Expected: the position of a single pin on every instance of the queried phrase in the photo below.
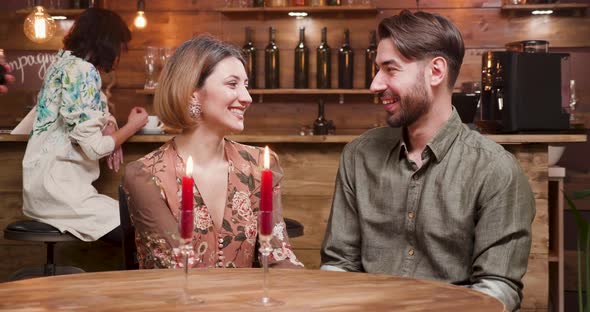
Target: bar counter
(310, 164)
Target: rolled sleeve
(83, 113)
(503, 232)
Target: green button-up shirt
(463, 217)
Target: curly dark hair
(98, 35)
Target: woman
(67, 140)
(202, 91)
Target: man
(433, 200)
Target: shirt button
(411, 252)
(221, 240)
(220, 245)
(415, 177)
(221, 257)
(220, 263)
(411, 215)
(220, 252)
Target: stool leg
(49, 265)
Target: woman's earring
(194, 107)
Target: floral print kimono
(153, 184)
(61, 160)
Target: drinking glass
(151, 63)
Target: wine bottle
(370, 57)
(345, 63)
(334, 2)
(324, 63)
(271, 62)
(320, 125)
(250, 55)
(301, 62)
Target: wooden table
(232, 289)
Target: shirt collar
(443, 140)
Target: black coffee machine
(522, 92)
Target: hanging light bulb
(39, 27)
(140, 20)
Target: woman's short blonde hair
(184, 73)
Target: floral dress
(153, 185)
(61, 159)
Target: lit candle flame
(266, 158)
(189, 166)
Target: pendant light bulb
(140, 20)
(39, 27)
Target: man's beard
(411, 107)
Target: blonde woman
(203, 92)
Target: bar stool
(34, 231)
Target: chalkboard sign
(29, 67)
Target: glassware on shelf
(322, 126)
(151, 67)
(345, 63)
(271, 62)
(318, 2)
(250, 55)
(371, 68)
(324, 63)
(301, 71)
(165, 54)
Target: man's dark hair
(98, 35)
(420, 35)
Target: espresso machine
(524, 92)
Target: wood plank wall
(170, 23)
(307, 198)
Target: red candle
(266, 197)
(186, 213)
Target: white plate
(151, 131)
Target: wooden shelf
(580, 7)
(54, 12)
(290, 91)
(308, 9)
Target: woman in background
(73, 130)
(203, 91)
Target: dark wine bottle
(301, 72)
(334, 2)
(250, 55)
(324, 63)
(321, 126)
(258, 3)
(345, 63)
(271, 62)
(370, 57)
